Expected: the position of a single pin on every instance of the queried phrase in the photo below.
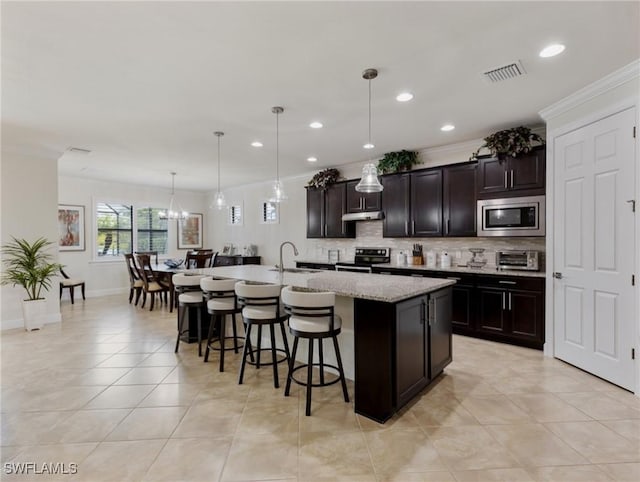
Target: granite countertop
(378, 287)
(487, 270)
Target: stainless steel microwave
(516, 216)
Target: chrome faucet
(295, 252)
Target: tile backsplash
(369, 234)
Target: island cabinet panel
(426, 203)
(459, 200)
(399, 349)
(514, 176)
(396, 205)
(359, 202)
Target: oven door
(353, 268)
(522, 216)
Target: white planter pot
(34, 313)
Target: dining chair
(153, 254)
(151, 283)
(135, 280)
(70, 283)
(200, 259)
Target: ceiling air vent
(505, 72)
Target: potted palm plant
(29, 265)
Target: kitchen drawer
(511, 282)
(324, 266)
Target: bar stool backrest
(308, 304)
(218, 288)
(181, 280)
(264, 296)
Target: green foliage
(509, 142)
(28, 265)
(324, 178)
(397, 161)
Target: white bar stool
(261, 306)
(311, 316)
(189, 296)
(221, 301)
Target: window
(151, 231)
(115, 229)
(269, 212)
(235, 215)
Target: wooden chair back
(132, 268)
(199, 259)
(153, 254)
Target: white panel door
(594, 247)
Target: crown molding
(599, 87)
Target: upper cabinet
(426, 203)
(324, 213)
(396, 205)
(512, 177)
(360, 202)
(459, 200)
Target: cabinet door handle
(504, 302)
(325, 229)
(362, 204)
(505, 180)
(432, 311)
(507, 282)
(422, 312)
(413, 227)
(509, 301)
(511, 177)
(448, 225)
(406, 228)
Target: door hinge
(634, 132)
(633, 205)
(633, 280)
(633, 353)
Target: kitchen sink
(298, 270)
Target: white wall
(29, 206)
(109, 277)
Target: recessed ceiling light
(368, 145)
(316, 125)
(312, 159)
(552, 50)
(256, 144)
(404, 97)
(447, 127)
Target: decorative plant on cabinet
(397, 161)
(509, 142)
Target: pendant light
(175, 211)
(278, 194)
(369, 181)
(219, 201)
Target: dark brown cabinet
(426, 203)
(412, 204)
(520, 176)
(459, 200)
(323, 266)
(399, 349)
(360, 202)
(324, 213)
(511, 309)
(222, 260)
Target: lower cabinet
(223, 260)
(313, 265)
(511, 310)
(399, 349)
(503, 308)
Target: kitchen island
(396, 331)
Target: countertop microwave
(516, 216)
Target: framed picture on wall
(190, 232)
(71, 227)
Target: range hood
(367, 216)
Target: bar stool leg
(259, 347)
(71, 294)
(284, 340)
(209, 338)
(199, 330)
(309, 377)
(274, 358)
(321, 359)
(180, 323)
(247, 345)
(82, 290)
(292, 361)
(235, 333)
(339, 360)
(222, 324)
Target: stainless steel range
(364, 259)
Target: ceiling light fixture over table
(369, 181)
(175, 211)
(278, 192)
(219, 201)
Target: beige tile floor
(105, 391)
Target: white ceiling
(143, 85)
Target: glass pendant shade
(219, 201)
(278, 193)
(175, 211)
(369, 181)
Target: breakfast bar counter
(396, 331)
